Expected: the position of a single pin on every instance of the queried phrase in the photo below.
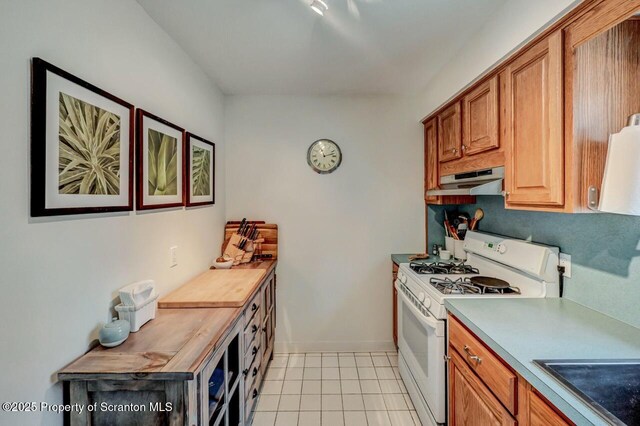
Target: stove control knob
(403, 278)
(421, 297)
(502, 249)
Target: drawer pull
(254, 328)
(254, 351)
(255, 393)
(471, 356)
(254, 307)
(255, 371)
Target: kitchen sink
(610, 387)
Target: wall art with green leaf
(81, 145)
(200, 169)
(160, 163)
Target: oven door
(421, 342)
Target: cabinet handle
(472, 357)
(255, 393)
(245, 371)
(254, 328)
(506, 194)
(464, 147)
(254, 307)
(454, 150)
(254, 351)
(255, 371)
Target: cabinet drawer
(252, 376)
(250, 402)
(470, 401)
(253, 354)
(498, 378)
(251, 332)
(253, 308)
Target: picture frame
(82, 141)
(200, 169)
(160, 162)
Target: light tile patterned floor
(335, 389)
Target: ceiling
(358, 47)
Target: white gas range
(496, 266)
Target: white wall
(58, 276)
(336, 231)
(513, 24)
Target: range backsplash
(604, 249)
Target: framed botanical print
(160, 163)
(200, 171)
(81, 145)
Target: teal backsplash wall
(604, 249)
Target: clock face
(324, 156)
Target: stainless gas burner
(473, 285)
(443, 268)
(449, 286)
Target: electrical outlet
(173, 256)
(565, 261)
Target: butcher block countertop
(219, 288)
(170, 347)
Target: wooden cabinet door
(450, 133)
(395, 306)
(480, 119)
(532, 95)
(541, 414)
(470, 401)
(431, 164)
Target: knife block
(241, 255)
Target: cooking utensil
(477, 217)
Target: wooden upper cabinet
(450, 133)
(432, 168)
(480, 118)
(470, 401)
(532, 96)
(431, 157)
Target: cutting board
(217, 288)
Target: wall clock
(324, 156)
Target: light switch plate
(173, 256)
(565, 261)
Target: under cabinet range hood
(620, 190)
(481, 182)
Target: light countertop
(522, 330)
(404, 258)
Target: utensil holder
(460, 252)
(449, 245)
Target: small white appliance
(139, 303)
(496, 266)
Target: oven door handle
(425, 319)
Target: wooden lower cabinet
(478, 397)
(188, 367)
(539, 412)
(395, 305)
(471, 402)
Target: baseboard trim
(329, 346)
